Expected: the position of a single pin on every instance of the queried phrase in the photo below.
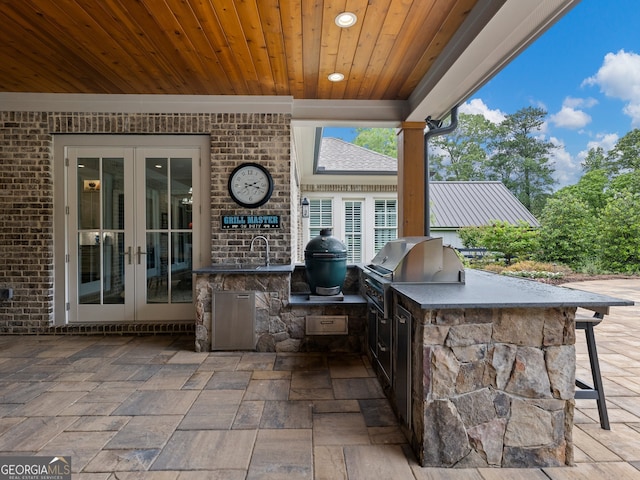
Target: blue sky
(585, 72)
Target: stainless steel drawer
(327, 325)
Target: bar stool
(595, 392)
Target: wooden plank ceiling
(223, 47)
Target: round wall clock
(250, 185)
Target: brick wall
(27, 186)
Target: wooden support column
(411, 179)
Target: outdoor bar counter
(491, 369)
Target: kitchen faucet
(266, 242)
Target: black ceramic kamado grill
(410, 260)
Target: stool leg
(597, 378)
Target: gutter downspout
(435, 128)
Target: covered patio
(149, 407)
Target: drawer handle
(383, 321)
(326, 322)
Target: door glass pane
(156, 187)
(100, 230)
(157, 267)
(181, 267)
(88, 193)
(169, 210)
(113, 193)
(89, 267)
(113, 267)
(181, 193)
(181, 224)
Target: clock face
(250, 185)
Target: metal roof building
(465, 204)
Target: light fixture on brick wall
(305, 207)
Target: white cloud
(567, 169)
(477, 107)
(619, 77)
(573, 102)
(605, 140)
(571, 116)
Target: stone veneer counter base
(280, 315)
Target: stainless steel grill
(405, 260)
(410, 260)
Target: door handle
(128, 254)
(140, 253)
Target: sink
(236, 266)
(244, 267)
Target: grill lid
(418, 259)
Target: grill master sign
(250, 221)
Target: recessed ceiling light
(346, 19)
(336, 77)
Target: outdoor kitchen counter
(485, 371)
(489, 290)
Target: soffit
(200, 47)
(402, 60)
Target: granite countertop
(244, 268)
(489, 290)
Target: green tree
(569, 230)
(463, 151)
(629, 182)
(381, 140)
(521, 159)
(625, 156)
(590, 189)
(595, 160)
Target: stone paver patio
(126, 407)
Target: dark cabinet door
(402, 361)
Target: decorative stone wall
(273, 327)
(27, 182)
(492, 387)
(280, 325)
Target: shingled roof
(463, 204)
(338, 156)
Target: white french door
(130, 233)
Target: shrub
(512, 241)
(569, 231)
(531, 269)
(532, 266)
(620, 235)
(533, 274)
